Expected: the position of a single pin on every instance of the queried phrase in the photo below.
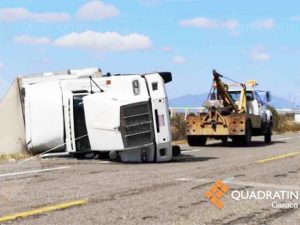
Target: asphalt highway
(70, 191)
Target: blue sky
(244, 40)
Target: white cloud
(109, 41)
(167, 49)
(295, 18)
(96, 10)
(24, 15)
(260, 54)
(179, 59)
(150, 2)
(202, 22)
(42, 61)
(27, 39)
(267, 24)
(235, 33)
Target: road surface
(166, 193)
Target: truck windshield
(235, 95)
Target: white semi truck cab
(83, 111)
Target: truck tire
(244, 140)
(176, 150)
(268, 135)
(114, 156)
(247, 138)
(196, 140)
(224, 140)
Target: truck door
(102, 116)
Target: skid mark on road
(42, 210)
(278, 157)
(232, 180)
(33, 171)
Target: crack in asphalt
(256, 217)
(134, 192)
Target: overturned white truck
(83, 111)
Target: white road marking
(194, 150)
(228, 180)
(104, 162)
(283, 139)
(33, 171)
(185, 179)
(233, 181)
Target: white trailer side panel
(12, 129)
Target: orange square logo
(216, 192)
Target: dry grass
(178, 127)
(287, 125)
(12, 157)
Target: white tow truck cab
(83, 111)
(256, 107)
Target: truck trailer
(83, 111)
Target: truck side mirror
(268, 96)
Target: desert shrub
(283, 123)
(13, 156)
(277, 120)
(178, 127)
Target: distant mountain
(280, 103)
(197, 100)
(188, 101)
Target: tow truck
(235, 111)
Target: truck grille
(136, 124)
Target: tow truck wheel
(246, 140)
(268, 135)
(224, 140)
(196, 140)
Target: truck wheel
(114, 156)
(196, 141)
(248, 136)
(268, 135)
(176, 150)
(224, 140)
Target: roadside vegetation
(178, 127)
(282, 124)
(13, 157)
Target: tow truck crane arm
(222, 92)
